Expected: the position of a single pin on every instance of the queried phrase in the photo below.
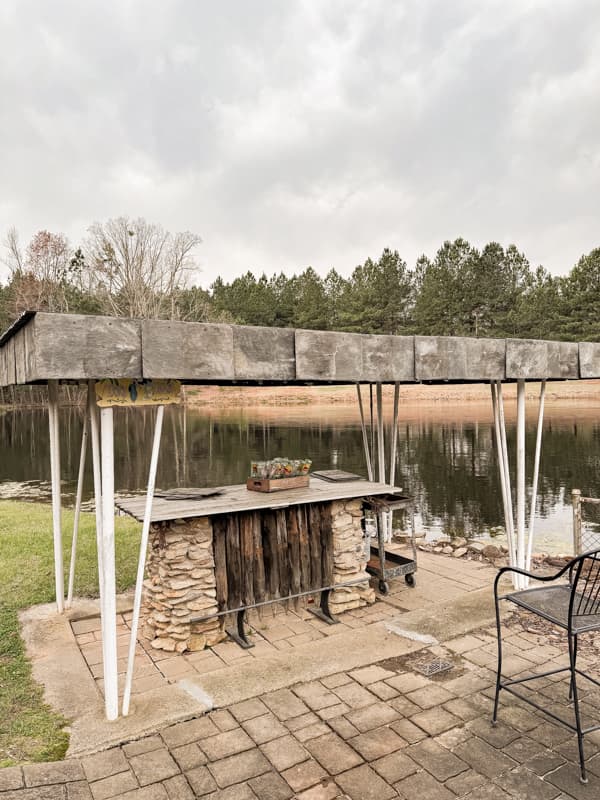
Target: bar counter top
(238, 498)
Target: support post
(82, 457)
(521, 475)
(536, 474)
(394, 446)
(505, 466)
(59, 578)
(384, 519)
(142, 558)
(364, 433)
(109, 600)
(97, 472)
(380, 437)
(501, 470)
(576, 501)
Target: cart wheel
(410, 580)
(384, 587)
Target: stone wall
(181, 581)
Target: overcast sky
(292, 133)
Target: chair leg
(572, 661)
(499, 671)
(574, 665)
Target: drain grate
(429, 668)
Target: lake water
(446, 456)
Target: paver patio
(380, 731)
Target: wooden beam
(459, 358)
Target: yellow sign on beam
(127, 392)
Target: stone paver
(362, 783)
(264, 728)
(240, 767)
(152, 767)
(11, 778)
(284, 753)
(333, 753)
(380, 731)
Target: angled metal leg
(572, 661)
(324, 612)
(499, 670)
(575, 664)
(238, 634)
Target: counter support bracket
(323, 611)
(238, 634)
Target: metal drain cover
(433, 667)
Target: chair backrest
(585, 582)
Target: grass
(29, 729)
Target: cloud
(298, 133)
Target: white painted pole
(109, 599)
(386, 517)
(59, 577)
(521, 475)
(364, 434)
(536, 474)
(142, 559)
(500, 452)
(394, 447)
(97, 472)
(511, 524)
(84, 438)
(380, 442)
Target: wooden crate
(277, 484)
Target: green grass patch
(29, 729)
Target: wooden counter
(237, 498)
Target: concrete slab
(458, 358)
(70, 689)
(309, 662)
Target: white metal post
(109, 600)
(536, 474)
(59, 578)
(380, 441)
(97, 472)
(142, 559)
(394, 446)
(521, 475)
(500, 452)
(385, 518)
(84, 438)
(511, 525)
(364, 433)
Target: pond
(446, 456)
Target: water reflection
(449, 465)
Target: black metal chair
(574, 606)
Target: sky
(289, 133)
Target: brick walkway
(377, 732)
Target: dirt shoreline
(411, 394)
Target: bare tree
(38, 277)
(137, 267)
(13, 255)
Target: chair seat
(552, 603)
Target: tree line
(130, 267)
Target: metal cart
(392, 565)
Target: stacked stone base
(181, 585)
(349, 562)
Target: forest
(130, 267)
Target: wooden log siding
(271, 555)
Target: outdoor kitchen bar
(239, 549)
